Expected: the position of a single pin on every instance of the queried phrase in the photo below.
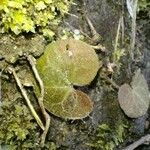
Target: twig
(95, 35)
(86, 35)
(1, 85)
(143, 140)
(133, 34)
(122, 23)
(122, 30)
(24, 94)
(40, 99)
(99, 47)
(94, 32)
(117, 35)
(72, 15)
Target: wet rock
(138, 125)
(101, 13)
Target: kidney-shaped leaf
(134, 99)
(66, 63)
(77, 105)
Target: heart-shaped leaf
(134, 99)
(66, 63)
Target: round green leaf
(66, 63)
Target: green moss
(108, 137)
(29, 15)
(18, 127)
(112, 131)
(144, 5)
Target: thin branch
(117, 35)
(95, 35)
(1, 85)
(24, 94)
(122, 23)
(41, 98)
(133, 34)
(72, 15)
(99, 47)
(122, 30)
(86, 35)
(143, 140)
(92, 28)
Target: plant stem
(24, 94)
(143, 140)
(133, 34)
(41, 98)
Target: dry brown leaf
(134, 100)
